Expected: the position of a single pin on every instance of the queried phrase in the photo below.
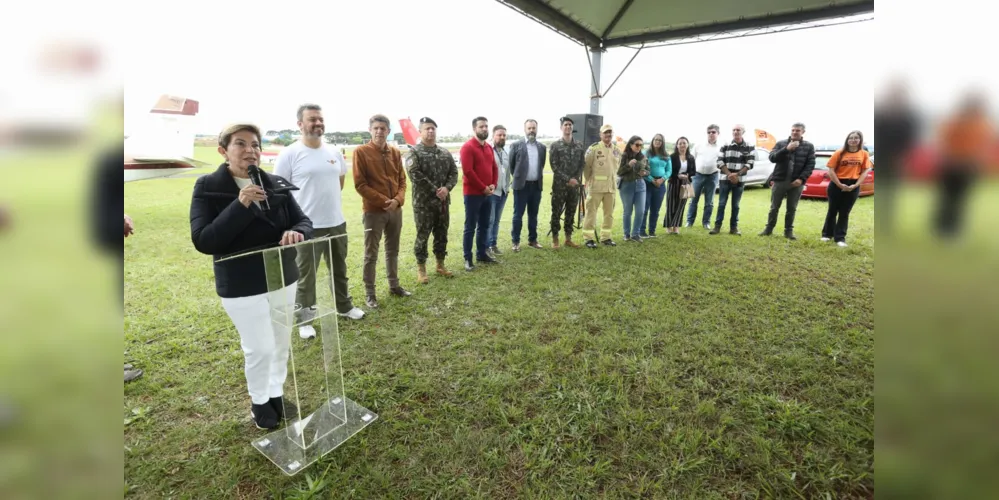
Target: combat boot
(441, 270)
(569, 243)
(555, 241)
(421, 274)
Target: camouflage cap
(606, 127)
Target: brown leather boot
(555, 241)
(421, 274)
(569, 243)
(441, 270)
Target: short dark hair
(714, 127)
(477, 119)
(529, 120)
(798, 125)
(379, 118)
(498, 127)
(307, 107)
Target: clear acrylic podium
(327, 417)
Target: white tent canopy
(602, 24)
(611, 23)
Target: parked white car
(762, 168)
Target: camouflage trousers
(430, 221)
(565, 201)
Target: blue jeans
(498, 202)
(654, 197)
(528, 197)
(725, 187)
(477, 211)
(633, 198)
(706, 184)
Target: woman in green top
(660, 167)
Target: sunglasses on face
(638, 145)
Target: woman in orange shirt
(846, 168)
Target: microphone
(254, 172)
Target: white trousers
(265, 339)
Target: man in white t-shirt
(318, 170)
(706, 180)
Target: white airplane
(164, 145)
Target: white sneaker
(841, 244)
(354, 313)
(826, 239)
(306, 332)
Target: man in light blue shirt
(499, 196)
(527, 163)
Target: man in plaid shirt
(735, 159)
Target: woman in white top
(683, 168)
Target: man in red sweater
(479, 177)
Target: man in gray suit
(527, 162)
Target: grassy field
(690, 366)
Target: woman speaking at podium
(230, 214)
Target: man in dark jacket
(107, 198)
(527, 162)
(794, 160)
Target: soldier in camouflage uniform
(567, 160)
(433, 174)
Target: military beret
(427, 119)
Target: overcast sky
(259, 61)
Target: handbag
(686, 191)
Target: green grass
(694, 366)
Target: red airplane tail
(409, 131)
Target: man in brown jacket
(381, 181)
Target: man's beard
(500, 144)
(482, 136)
(531, 137)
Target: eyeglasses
(638, 145)
(712, 131)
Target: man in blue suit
(527, 162)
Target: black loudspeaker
(586, 128)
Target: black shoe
(735, 231)
(264, 416)
(767, 232)
(591, 244)
(609, 242)
(486, 259)
(400, 292)
(284, 408)
(469, 266)
(790, 235)
(716, 230)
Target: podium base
(303, 441)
